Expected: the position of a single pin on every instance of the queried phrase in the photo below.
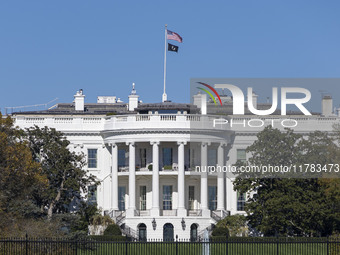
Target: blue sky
(50, 49)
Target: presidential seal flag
(172, 47)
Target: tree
(63, 169)
(19, 176)
(236, 225)
(288, 206)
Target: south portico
(173, 192)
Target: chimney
(338, 112)
(133, 99)
(200, 100)
(327, 105)
(254, 96)
(79, 100)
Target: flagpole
(165, 97)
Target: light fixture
(154, 224)
(183, 224)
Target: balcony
(195, 213)
(142, 213)
(168, 212)
(159, 121)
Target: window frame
(167, 197)
(243, 159)
(212, 203)
(91, 159)
(241, 200)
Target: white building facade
(145, 157)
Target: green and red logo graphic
(209, 93)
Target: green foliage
(150, 167)
(236, 224)
(112, 230)
(290, 206)
(37, 171)
(220, 232)
(109, 238)
(167, 167)
(64, 169)
(99, 219)
(19, 177)
(85, 213)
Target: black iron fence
(230, 246)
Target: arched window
(168, 232)
(142, 232)
(193, 232)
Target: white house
(145, 156)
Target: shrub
(112, 230)
(220, 232)
(167, 167)
(99, 219)
(236, 224)
(108, 238)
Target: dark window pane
(241, 155)
(241, 201)
(92, 158)
(167, 197)
(212, 198)
(121, 198)
(92, 194)
(167, 156)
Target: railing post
(176, 244)
(226, 252)
(76, 246)
(126, 247)
(26, 244)
(327, 246)
(277, 245)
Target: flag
(172, 47)
(174, 36)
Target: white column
(155, 179)
(132, 180)
(229, 193)
(220, 177)
(204, 180)
(181, 211)
(114, 177)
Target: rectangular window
(212, 197)
(122, 158)
(167, 157)
(241, 201)
(167, 197)
(241, 155)
(191, 197)
(212, 157)
(92, 195)
(121, 198)
(142, 155)
(191, 158)
(92, 158)
(142, 198)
